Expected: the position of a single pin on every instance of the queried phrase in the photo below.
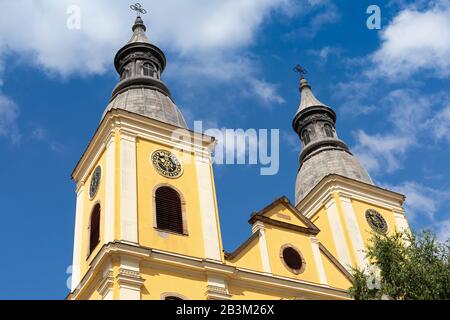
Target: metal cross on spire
(299, 69)
(138, 8)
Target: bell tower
(145, 185)
(334, 190)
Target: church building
(147, 223)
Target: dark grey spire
(323, 153)
(140, 65)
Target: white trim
(128, 209)
(169, 261)
(78, 237)
(110, 190)
(207, 209)
(353, 230)
(354, 189)
(337, 231)
(400, 221)
(145, 128)
(318, 260)
(129, 279)
(216, 288)
(259, 227)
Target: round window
(292, 259)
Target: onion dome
(140, 65)
(323, 153)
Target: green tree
(404, 266)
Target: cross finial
(299, 69)
(138, 8)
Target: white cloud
(181, 26)
(407, 111)
(440, 124)
(292, 140)
(443, 230)
(426, 202)
(415, 40)
(8, 119)
(207, 38)
(267, 92)
(381, 151)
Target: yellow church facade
(147, 222)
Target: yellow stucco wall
(276, 238)
(284, 214)
(360, 207)
(242, 292)
(335, 278)
(147, 180)
(88, 206)
(249, 258)
(324, 236)
(158, 281)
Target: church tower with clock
(147, 222)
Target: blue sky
(230, 65)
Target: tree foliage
(404, 266)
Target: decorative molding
(357, 190)
(216, 293)
(248, 278)
(285, 202)
(260, 218)
(142, 127)
(106, 286)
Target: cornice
(141, 127)
(351, 189)
(161, 259)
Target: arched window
(328, 130)
(148, 70)
(305, 137)
(169, 216)
(125, 73)
(172, 298)
(94, 228)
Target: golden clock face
(167, 164)
(376, 221)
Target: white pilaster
(353, 230)
(318, 261)
(401, 222)
(110, 194)
(207, 209)
(217, 289)
(128, 210)
(129, 279)
(78, 236)
(337, 231)
(106, 286)
(259, 227)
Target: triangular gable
(283, 214)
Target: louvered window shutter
(94, 237)
(168, 210)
